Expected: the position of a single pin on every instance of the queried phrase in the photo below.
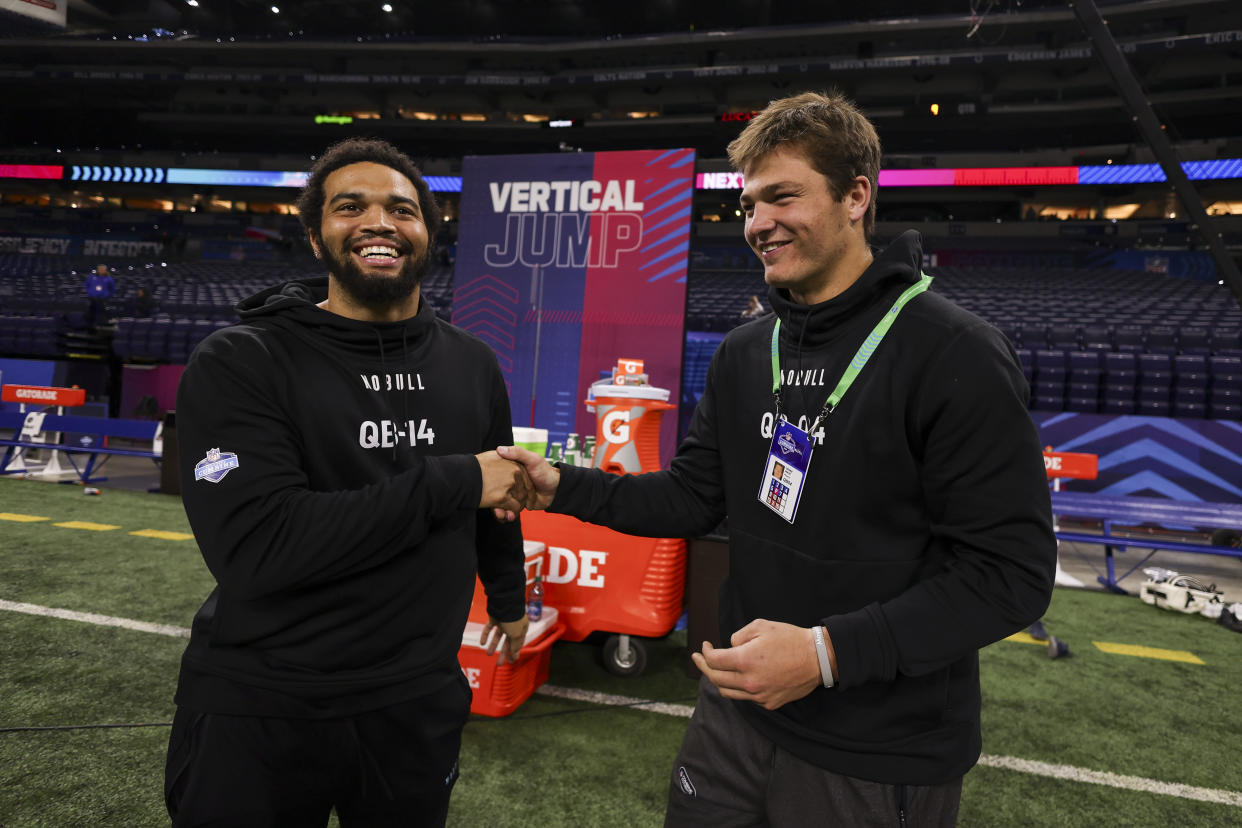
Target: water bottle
(534, 601)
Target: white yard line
(1074, 774)
(94, 618)
(1114, 780)
(607, 699)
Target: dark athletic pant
(389, 767)
(727, 775)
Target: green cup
(534, 439)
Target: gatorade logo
(617, 426)
(683, 779)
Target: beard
(377, 291)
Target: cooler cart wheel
(627, 660)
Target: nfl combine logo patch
(215, 465)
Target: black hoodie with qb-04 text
(344, 531)
(924, 530)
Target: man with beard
(342, 501)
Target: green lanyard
(856, 364)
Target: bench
(1129, 513)
(18, 428)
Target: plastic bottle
(534, 601)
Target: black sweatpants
(727, 775)
(389, 767)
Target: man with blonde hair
(849, 692)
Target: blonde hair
(837, 140)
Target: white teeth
(378, 250)
(768, 248)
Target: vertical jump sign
(566, 262)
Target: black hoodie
(344, 541)
(924, 531)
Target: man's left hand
(512, 633)
(769, 663)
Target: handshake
(515, 479)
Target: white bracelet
(821, 652)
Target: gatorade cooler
(499, 689)
(627, 427)
(601, 580)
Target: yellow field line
(1183, 656)
(1138, 650)
(162, 534)
(159, 534)
(21, 518)
(87, 525)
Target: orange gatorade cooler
(627, 427)
(499, 689)
(604, 581)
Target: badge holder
(788, 459)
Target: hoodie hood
(293, 305)
(810, 326)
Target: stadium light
(193, 3)
(387, 7)
(275, 10)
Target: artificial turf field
(1137, 738)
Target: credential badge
(215, 465)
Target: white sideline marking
(93, 618)
(682, 710)
(1073, 774)
(1129, 783)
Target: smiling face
(810, 242)
(373, 239)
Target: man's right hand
(544, 477)
(506, 486)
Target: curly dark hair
(356, 151)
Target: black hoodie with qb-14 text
(924, 529)
(328, 473)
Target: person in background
(342, 471)
(887, 508)
(144, 303)
(100, 287)
(754, 308)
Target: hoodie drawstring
(384, 368)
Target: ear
(314, 243)
(858, 198)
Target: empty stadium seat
(1121, 367)
(1190, 371)
(1155, 370)
(1097, 338)
(1193, 340)
(1226, 341)
(1128, 338)
(1161, 339)
(1225, 371)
